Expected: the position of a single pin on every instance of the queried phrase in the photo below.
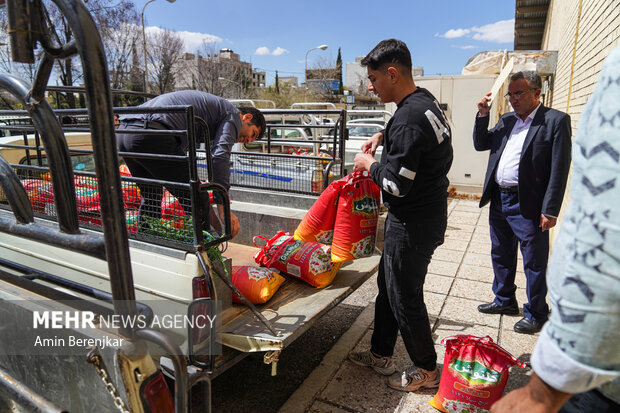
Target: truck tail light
(156, 395)
(200, 289)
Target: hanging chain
(94, 358)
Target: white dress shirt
(507, 173)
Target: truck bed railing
(294, 153)
(27, 26)
(177, 232)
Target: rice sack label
(307, 260)
(355, 229)
(474, 374)
(318, 223)
(257, 284)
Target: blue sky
(275, 34)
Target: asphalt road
(249, 387)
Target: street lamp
(146, 72)
(322, 47)
(232, 81)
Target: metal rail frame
(337, 140)
(26, 27)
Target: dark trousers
(157, 169)
(509, 228)
(407, 251)
(590, 402)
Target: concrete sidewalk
(459, 279)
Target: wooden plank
(501, 79)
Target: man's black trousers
(407, 251)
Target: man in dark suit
(525, 181)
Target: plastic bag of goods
(85, 182)
(131, 195)
(355, 229)
(39, 192)
(172, 211)
(131, 220)
(474, 374)
(318, 223)
(124, 170)
(257, 284)
(307, 260)
(88, 206)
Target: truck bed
(294, 307)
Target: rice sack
(307, 260)
(355, 229)
(257, 284)
(318, 223)
(474, 374)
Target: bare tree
(5, 53)
(208, 71)
(120, 50)
(109, 15)
(24, 70)
(6, 102)
(213, 72)
(165, 48)
(321, 79)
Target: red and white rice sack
(257, 284)
(307, 260)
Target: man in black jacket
(412, 173)
(525, 181)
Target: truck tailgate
(293, 309)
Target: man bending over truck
(227, 125)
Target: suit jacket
(545, 159)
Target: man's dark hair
(257, 118)
(388, 51)
(531, 76)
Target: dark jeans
(158, 169)
(590, 402)
(407, 251)
(509, 228)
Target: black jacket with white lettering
(416, 158)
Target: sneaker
(414, 378)
(382, 365)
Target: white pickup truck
(81, 287)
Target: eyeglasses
(517, 95)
